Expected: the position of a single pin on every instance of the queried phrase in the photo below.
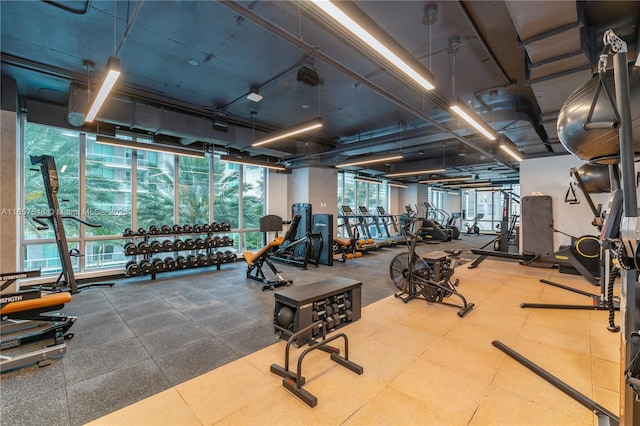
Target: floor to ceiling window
(39, 247)
(119, 188)
(490, 203)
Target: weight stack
(323, 224)
(304, 210)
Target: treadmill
(370, 221)
(388, 226)
(356, 229)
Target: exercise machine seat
(251, 257)
(48, 302)
(343, 241)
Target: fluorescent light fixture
(446, 179)
(484, 184)
(111, 74)
(397, 185)
(63, 168)
(301, 128)
(108, 140)
(416, 172)
(366, 179)
(468, 115)
(512, 152)
(251, 162)
(357, 30)
(370, 161)
(254, 96)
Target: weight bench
(23, 322)
(255, 261)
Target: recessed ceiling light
(194, 62)
(305, 106)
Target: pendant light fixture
(357, 29)
(111, 74)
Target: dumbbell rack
(330, 304)
(203, 251)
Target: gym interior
(319, 212)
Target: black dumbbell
(146, 267)
(177, 229)
(206, 227)
(215, 226)
(182, 262)
(324, 310)
(156, 246)
(226, 241)
(128, 233)
(144, 247)
(154, 230)
(158, 265)
(208, 242)
(197, 228)
(216, 242)
(200, 243)
(345, 317)
(187, 228)
(130, 249)
(330, 321)
(231, 256)
(190, 244)
(166, 229)
(193, 261)
(213, 259)
(315, 331)
(203, 259)
(222, 258)
(226, 226)
(141, 231)
(132, 269)
(167, 245)
(179, 245)
(171, 263)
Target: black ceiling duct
(308, 75)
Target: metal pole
(629, 406)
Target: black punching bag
(597, 145)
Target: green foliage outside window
(108, 179)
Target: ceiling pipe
(476, 33)
(127, 30)
(301, 44)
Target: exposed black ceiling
(514, 62)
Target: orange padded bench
(251, 257)
(48, 302)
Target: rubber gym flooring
(198, 334)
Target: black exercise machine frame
(285, 252)
(51, 186)
(605, 417)
(294, 382)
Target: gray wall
(550, 176)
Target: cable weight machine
(66, 278)
(628, 243)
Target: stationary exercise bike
(474, 228)
(427, 276)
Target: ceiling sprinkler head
(454, 45)
(430, 15)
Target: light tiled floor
(423, 365)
